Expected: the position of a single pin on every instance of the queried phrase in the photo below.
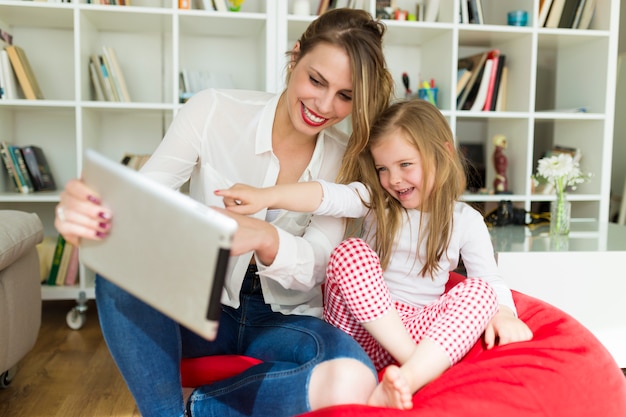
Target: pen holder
(429, 94)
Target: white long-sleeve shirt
(470, 240)
(222, 137)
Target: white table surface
(583, 274)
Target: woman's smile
(311, 118)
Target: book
(475, 64)
(462, 77)
(579, 13)
(568, 14)
(5, 39)
(95, 81)
(135, 161)
(10, 166)
(20, 168)
(1, 84)
(38, 168)
(431, 12)
(24, 72)
(9, 81)
(543, 12)
(481, 95)
(45, 250)
(203, 5)
(184, 4)
(501, 99)
(56, 260)
(220, 5)
(464, 12)
(322, 7)
(104, 83)
(587, 14)
(554, 17)
(116, 74)
(478, 9)
(64, 264)
(496, 88)
(105, 65)
(72, 268)
(494, 55)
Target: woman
(272, 300)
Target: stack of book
(27, 168)
(62, 262)
(566, 14)
(471, 12)
(107, 77)
(481, 82)
(17, 79)
(192, 81)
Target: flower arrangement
(561, 171)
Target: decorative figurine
(500, 162)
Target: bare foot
(393, 391)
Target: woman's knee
(341, 381)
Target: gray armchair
(20, 288)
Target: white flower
(561, 171)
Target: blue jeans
(148, 346)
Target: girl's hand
(80, 214)
(244, 199)
(505, 328)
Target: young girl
(387, 289)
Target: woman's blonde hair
(361, 36)
(423, 125)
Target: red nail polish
(101, 234)
(93, 199)
(104, 215)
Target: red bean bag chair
(562, 371)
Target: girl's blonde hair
(361, 36)
(423, 125)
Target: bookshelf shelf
(549, 69)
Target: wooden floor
(68, 373)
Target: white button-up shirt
(222, 137)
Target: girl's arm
(318, 197)
(304, 197)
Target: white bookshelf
(548, 69)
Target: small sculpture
(500, 163)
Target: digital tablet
(165, 248)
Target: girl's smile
(400, 171)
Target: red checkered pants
(356, 292)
